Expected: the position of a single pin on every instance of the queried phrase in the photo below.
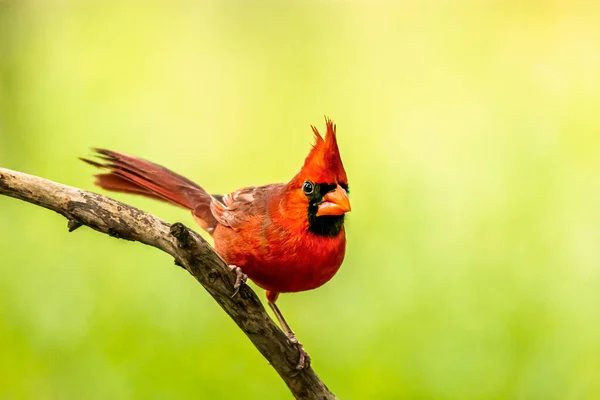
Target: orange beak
(334, 203)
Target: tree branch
(190, 251)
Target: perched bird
(286, 237)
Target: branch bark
(190, 251)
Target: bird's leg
(240, 278)
(304, 360)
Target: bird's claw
(240, 278)
(304, 361)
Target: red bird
(286, 237)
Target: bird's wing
(237, 207)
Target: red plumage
(285, 237)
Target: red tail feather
(129, 174)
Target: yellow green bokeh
(470, 131)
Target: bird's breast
(282, 261)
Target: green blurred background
(470, 132)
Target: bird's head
(322, 185)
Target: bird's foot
(240, 278)
(304, 361)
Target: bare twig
(189, 250)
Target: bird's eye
(308, 187)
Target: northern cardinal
(286, 237)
